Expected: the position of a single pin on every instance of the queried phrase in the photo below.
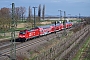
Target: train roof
(69, 22)
(46, 26)
(56, 24)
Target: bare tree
(17, 13)
(29, 14)
(5, 19)
(29, 18)
(5, 16)
(39, 12)
(43, 12)
(5, 12)
(22, 11)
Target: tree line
(19, 15)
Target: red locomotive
(42, 30)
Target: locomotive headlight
(23, 36)
(20, 36)
(30, 35)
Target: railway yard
(54, 46)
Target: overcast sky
(73, 7)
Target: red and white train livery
(42, 30)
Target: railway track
(74, 50)
(19, 46)
(4, 42)
(6, 49)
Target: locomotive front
(23, 35)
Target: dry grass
(21, 57)
(45, 46)
(23, 25)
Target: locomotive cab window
(22, 32)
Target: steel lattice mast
(13, 45)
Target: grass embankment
(45, 46)
(82, 50)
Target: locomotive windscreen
(22, 32)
